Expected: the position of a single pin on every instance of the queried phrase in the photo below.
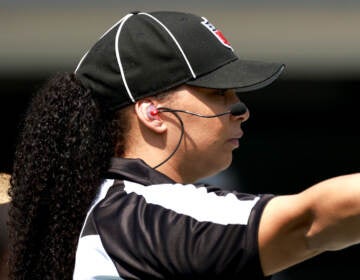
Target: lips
(234, 140)
(238, 135)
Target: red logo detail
(217, 33)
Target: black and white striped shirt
(143, 225)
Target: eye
(221, 92)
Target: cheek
(208, 128)
(207, 135)
(206, 144)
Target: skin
(323, 217)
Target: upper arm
(296, 227)
(283, 230)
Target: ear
(147, 114)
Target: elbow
(335, 235)
(313, 238)
(315, 243)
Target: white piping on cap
(119, 59)
(122, 22)
(106, 32)
(176, 42)
(81, 60)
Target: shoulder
(238, 194)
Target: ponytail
(64, 148)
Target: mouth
(235, 139)
(234, 142)
(238, 135)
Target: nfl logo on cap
(216, 32)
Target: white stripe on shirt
(196, 202)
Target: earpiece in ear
(152, 111)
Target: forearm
(335, 205)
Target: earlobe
(149, 115)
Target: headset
(236, 109)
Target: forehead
(210, 90)
(190, 95)
(202, 90)
(186, 93)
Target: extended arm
(324, 217)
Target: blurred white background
(310, 37)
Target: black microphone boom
(236, 109)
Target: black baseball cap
(144, 54)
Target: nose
(245, 116)
(238, 109)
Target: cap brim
(241, 75)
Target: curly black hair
(64, 148)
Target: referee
(103, 182)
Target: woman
(103, 182)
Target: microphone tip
(238, 109)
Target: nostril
(246, 116)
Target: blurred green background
(303, 128)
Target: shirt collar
(135, 170)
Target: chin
(211, 166)
(227, 162)
(220, 168)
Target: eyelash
(221, 92)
